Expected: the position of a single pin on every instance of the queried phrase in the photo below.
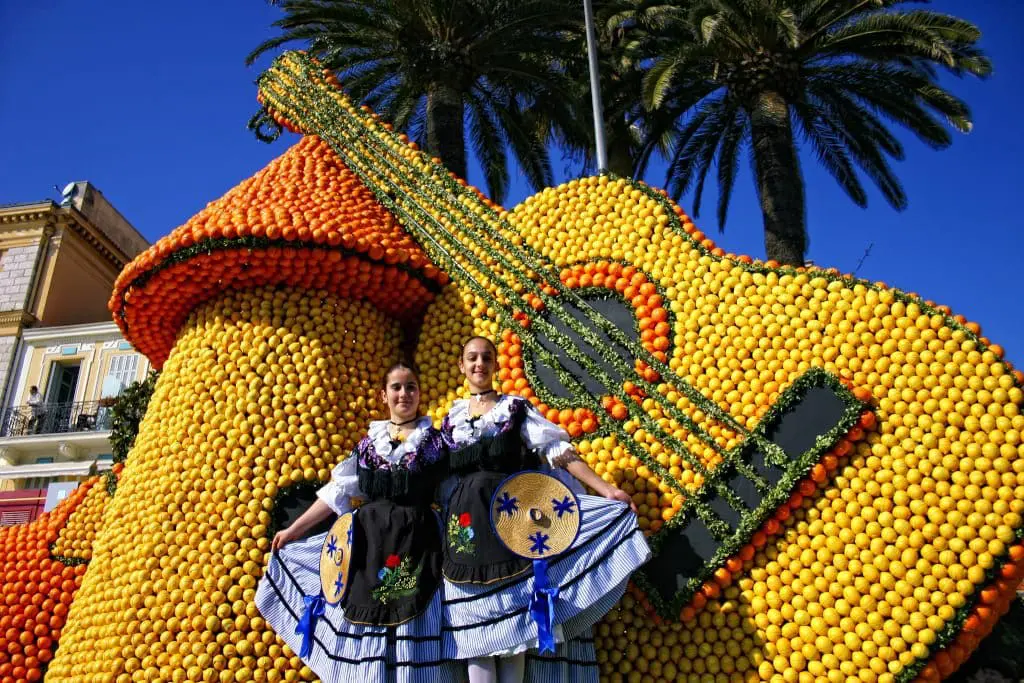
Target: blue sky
(148, 101)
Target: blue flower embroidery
(507, 504)
(565, 506)
(338, 584)
(540, 543)
(332, 546)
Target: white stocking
(512, 669)
(482, 670)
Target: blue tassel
(315, 608)
(542, 606)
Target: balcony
(55, 418)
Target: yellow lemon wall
(263, 389)
(865, 573)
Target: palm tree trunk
(620, 156)
(446, 133)
(780, 184)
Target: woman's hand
(316, 513)
(588, 477)
(613, 492)
(283, 537)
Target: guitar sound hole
(614, 309)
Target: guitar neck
(474, 243)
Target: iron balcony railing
(55, 418)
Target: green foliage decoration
(127, 412)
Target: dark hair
(474, 338)
(33, 388)
(400, 365)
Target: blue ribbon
(315, 607)
(542, 606)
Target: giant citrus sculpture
(272, 315)
(830, 470)
(41, 568)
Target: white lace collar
(498, 414)
(465, 427)
(385, 446)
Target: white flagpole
(595, 88)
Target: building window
(44, 461)
(15, 517)
(123, 369)
(62, 382)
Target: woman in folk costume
(382, 620)
(488, 589)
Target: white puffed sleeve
(549, 440)
(344, 484)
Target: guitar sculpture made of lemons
(829, 470)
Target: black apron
(396, 553)
(472, 553)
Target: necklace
(398, 437)
(474, 418)
(478, 395)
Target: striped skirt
(573, 661)
(342, 651)
(483, 620)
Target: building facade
(58, 263)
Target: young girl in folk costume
(388, 627)
(488, 588)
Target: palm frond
(489, 147)
(920, 36)
(898, 94)
(522, 133)
(830, 151)
(853, 126)
(695, 148)
(657, 82)
(735, 133)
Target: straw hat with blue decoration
(537, 517)
(335, 558)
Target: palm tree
(759, 74)
(441, 68)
